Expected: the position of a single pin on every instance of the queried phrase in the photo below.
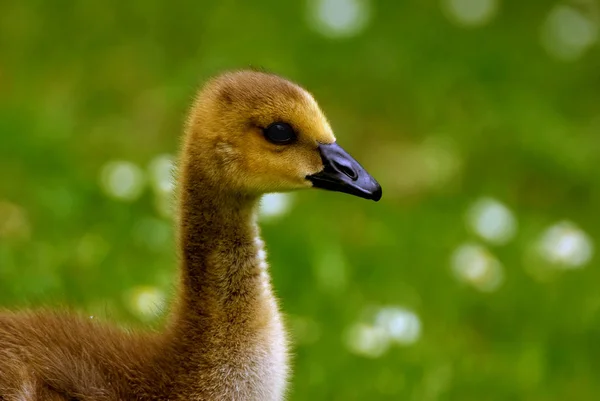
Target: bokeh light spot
(339, 18)
(274, 205)
(492, 221)
(475, 265)
(146, 302)
(161, 173)
(568, 33)
(470, 13)
(387, 326)
(402, 325)
(565, 245)
(367, 340)
(122, 180)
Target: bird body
(248, 133)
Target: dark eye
(280, 133)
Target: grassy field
(474, 278)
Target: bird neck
(224, 280)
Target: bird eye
(280, 133)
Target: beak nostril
(348, 171)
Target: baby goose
(248, 133)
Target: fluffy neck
(224, 280)
(225, 339)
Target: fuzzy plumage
(224, 339)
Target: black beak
(344, 174)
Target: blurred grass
(441, 114)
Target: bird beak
(342, 173)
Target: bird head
(257, 133)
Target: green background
(442, 112)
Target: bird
(247, 133)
